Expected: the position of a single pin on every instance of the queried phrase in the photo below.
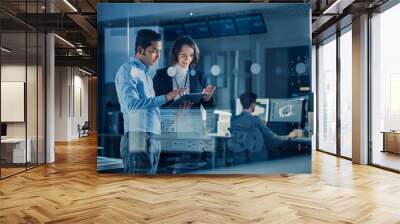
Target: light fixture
(65, 41)
(338, 6)
(5, 50)
(70, 5)
(84, 71)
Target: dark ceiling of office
(76, 24)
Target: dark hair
(177, 47)
(144, 38)
(246, 99)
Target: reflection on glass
(41, 99)
(23, 85)
(385, 85)
(346, 94)
(215, 70)
(255, 68)
(327, 96)
(32, 101)
(15, 150)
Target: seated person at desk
(184, 55)
(248, 121)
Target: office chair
(247, 141)
(84, 130)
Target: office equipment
(286, 110)
(12, 101)
(391, 141)
(168, 123)
(184, 146)
(173, 31)
(187, 145)
(189, 124)
(222, 27)
(224, 122)
(3, 130)
(250, 24)
(261, 110)
(198, 29)
(182, 124)
(190, 97)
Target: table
(223, 137)
(391, 141)
(13, 150)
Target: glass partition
(327, 95)
(385, 89)
(14, 143)
(346, 92)
(22, 91)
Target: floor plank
(71, 191)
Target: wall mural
(201, 88)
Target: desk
(303, 144)
(391, 141)
(223, 138)
(13, 150)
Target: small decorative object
(192, 72)
(215, 70)
(255, 68)
(171, 71)
(300, 68)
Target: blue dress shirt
(139, 105)
(247, 120)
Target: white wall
(33, 126)
(70, 83)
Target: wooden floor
(70, 191)
(386, 159)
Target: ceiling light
(84, 71)
(65, 41)
(5, 50)
(338, 6)
(70, 5)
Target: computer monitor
(173, 31)
(261, 110)
(250, 24)
(181, 123)
(222, 27)
(197, 29)
(288, 110)
(3, 129)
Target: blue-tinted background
(264, 48)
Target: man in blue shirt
(140, 147)
(248, 121)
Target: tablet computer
(190, 97)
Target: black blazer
(162, 83)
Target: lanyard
(186, 79)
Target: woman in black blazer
(184, 55)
